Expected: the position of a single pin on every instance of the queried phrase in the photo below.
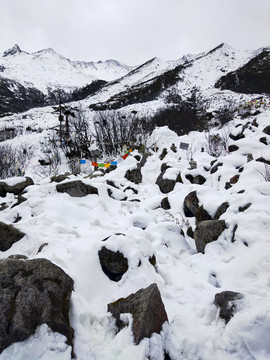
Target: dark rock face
(233, 148)
(190, 232)
(206, 232)
(163, 154)
(165, 203)
(266, 130)
(32, 293)
(226, 300)
(234, 179)
(14, 189)
(14, 97)
(252, 78)
(201, 214)
(263, 160)
(244, 208)
(116, 194)
(59, 178)
(191, 204)
(76, 188)
(147, 309)
(221, 210)
(215, 168)
(199, 179)
(167, 185)
(8, 236)
(134, 175)
(113, 264)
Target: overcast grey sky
(133, 31)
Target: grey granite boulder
(32, 293)
(8, 236)
(227, 302)
(206, 232)
(191, 204)
(16, 188)
(147, 310)
(76, 188)
(113, 264)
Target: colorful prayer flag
(94, 163)
(125, 156)
(82, 161)
(107, 165)
(114, 163)
(100, 165)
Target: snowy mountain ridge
(46, 69)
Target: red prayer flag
(125, 156)
(94, 164)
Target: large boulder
(76, 188)
(206, 232)
(8, 236)
(266, 130)
(32, 293)
(147, 310)
(227, 302)
(191, 204)
(167, 185)
(201, 214)
(198, 179)
(113, 264)
(15, 189)
(134, 175)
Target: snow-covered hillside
(73, 230)
(47, 70)
(194, 222)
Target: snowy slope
(202, 70)
(188, 281)
(45, 69)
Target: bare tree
(113, 131)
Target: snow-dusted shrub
(113, 131)
(216, 145)
(265, 173)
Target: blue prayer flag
(82, 161)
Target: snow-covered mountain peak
(12, 51)
(46, 69)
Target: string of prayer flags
(106, 165)
(256, 102)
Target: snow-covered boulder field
(92, 254)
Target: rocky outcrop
(134, 175)
(147, 310)
(32, 293)
(227, 302)
(14, 97)
(8, 236)
(201, 214)
(206, 232)
(191, 204)
(221, 210)
(15, 189)
(113, 264)
(252, 78)
(76, 188)
(167, 185)
(165, 203)
(266, 130)
(198, 179)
